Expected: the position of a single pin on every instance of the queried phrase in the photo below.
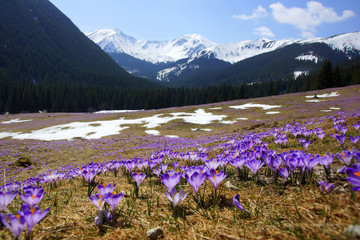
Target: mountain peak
(115, 41)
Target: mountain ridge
(185, 63)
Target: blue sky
(220, 21)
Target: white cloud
(264, 31)
(257, 13)
(307, 19)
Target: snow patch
(255, 105)
(272, 112)
(325, 95)
(16, 120)
(152, 132)
(299, 73)
(99, 129)
(308, 57)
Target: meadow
(280, 167)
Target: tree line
(31, 96)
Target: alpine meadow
(104, 135)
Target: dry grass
(278, 211)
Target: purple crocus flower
(321, 135)
(254, 165)
(340, 138)
(216, 178)
(309, 161)
(176, 197)
(106, 189)
(213, 163)
(345, 157)
(356, 125)
(89, 175)
(32, 199)
(175, 165)
(283, 172)
(170, 180)
(237, 203)
(354, 139)
(343, 129)
(325, 187)
(99, 202)
(16, 224)
(113, 199)
(6, 198)
(305, 143)
(354, 176)
(32, 216)
(196, 180)
(326, 160)
(138, 177)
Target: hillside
(283, 167)
(39, 43)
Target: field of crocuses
(269, 168)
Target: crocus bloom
(345, 157)
(176, 197)
(33, 216)
(340, 138)
(213, 163)
(16, 224)
(283, 172)
(325, 187)
(31, 199)
(89, 175)
(356, 126)
(354, 139)
(6, 198)
(113, 199)
(138, 177)
(216, 178)
(170, 180)
(99, 202)
(175, 165)
(237, 203)
(254, 165)
(106, 189)
(354, 176)
(326, 160)
(195, 181)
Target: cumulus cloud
(257, 13)
(307, 19)
(264, 31)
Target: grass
(278, 211)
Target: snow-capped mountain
(115, 41)
(192, 53)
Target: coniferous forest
(31, 96)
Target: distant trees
(62, 96)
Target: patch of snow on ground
(325, 95)
(99, 129)
(299, 73)
(327, 110)
(215, 108)
(272, 112)
(334, 108)
(255, 105)
(242, 119)
(152, 132)
(227, 122)
(172, 136)
(16, 120)
(308, 57)
(315, 100)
